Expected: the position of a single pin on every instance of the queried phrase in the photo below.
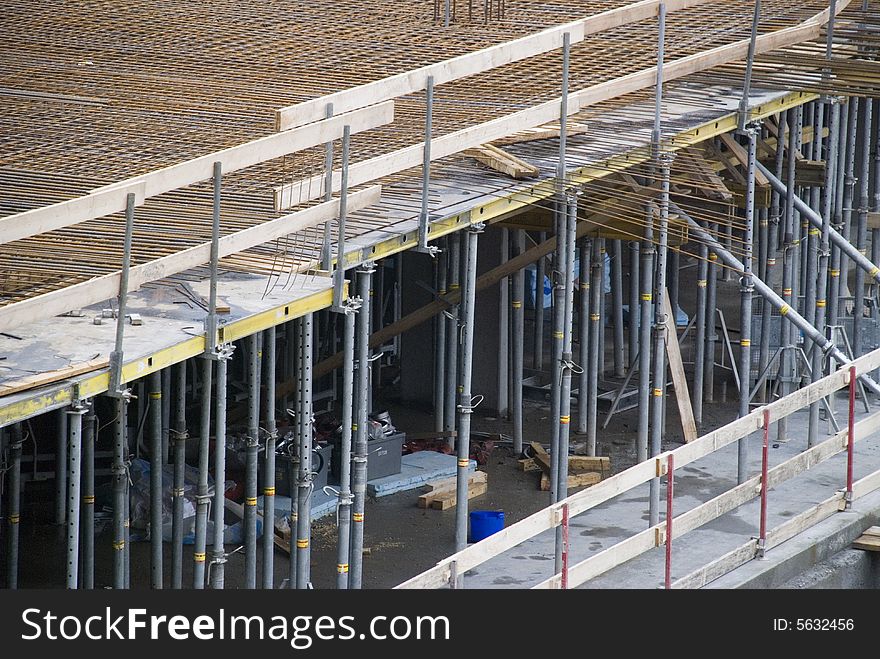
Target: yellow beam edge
(497, 209)
(99, 382)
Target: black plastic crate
(383, 455)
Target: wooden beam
(112, 198)
(742, 156)
(502, 161)
(107, 286)
(40, 379)
(679, 379)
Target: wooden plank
(679, 379)
(873, 530)
(867, 543)
(469, 64)
(581, 479)
(40, 379)
(113, 198)
(589, 463)
(448, 500)
(502, 161)
(540, 456)
(528, 464)
(107, 286)
(739, 152)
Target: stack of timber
(582, 470)
(869, 540)
(441, 494)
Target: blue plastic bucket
(485, 522)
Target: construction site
(506, 294)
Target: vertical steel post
(765, 461)
(850, 438)
(711, 336)
(617, 307)
(115, 384)
(120, 480)
(345, 494)
(293, 450)
(862, 227)
(154, 383)
(179, 436)
(584, 336)
(305, 485)
(633, 310)
(746, 289)
(88, 499)
(786, 370)
(218, 552)
(203, 496)
(270, 353)
(646, 268)
(672, 287)
(592, 366)
(465, 408)
(452, 339)
(426, 165)
(660, 329)
(538, 346)
(339, 272)
(75, 426)
(700, 332)
(251, 455)
(849, 185)
(670, 490)
(603, 254)
(61, 490)
(359, 461)
(13, 508)
(440, 267)
(516, 350)
(166, 415)
(556, 354)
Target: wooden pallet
(869, 540)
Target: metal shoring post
(270, 348)
(120, 479)
(115, 385)
(646, 268)
(561, 267)
(765, 461)
(446, 13)
(13, 508)
(633, 311)
(566, 366)
(617, 307)
(660, 329)
(339, 272)
(602, 316)
(304, 503)
(850, 439)
(538, 347)
(218, 553)
(862, 228)
(359, 461)
(88, 499)
(746, 288)
(592, 366)
(672, 287)
(293, 448)
(849, 184)
(61, 469)
(251, 456)
(711, 306)
(586, 247)
(424, 215)
(74, 487)
(516, 350)
(670, 491)
(743, 115)
(771, 250)
(817, 365)
(786, 369)
(834, 270)
(203, 496)
(179, 437)
(154, 382)
(166, 415)
(326, 245)
(465, 404)
(345, 496)
(700, 333)
(452, 340)
(439, 344)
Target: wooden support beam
(679, 379)
(502, 161)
